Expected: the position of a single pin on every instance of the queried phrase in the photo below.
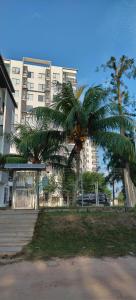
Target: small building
(23, 185)
(7, 109)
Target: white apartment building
(35, 82)
(7, 108)
(89, 157)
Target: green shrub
(15, 159)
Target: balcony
(24, 86)
(25, 71)
(24, 97)
(25, 74)
(48, 73)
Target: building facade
(36, 82)
(89, 157)
(7, 109)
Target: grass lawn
(98, 233)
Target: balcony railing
(25, 74)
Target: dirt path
(71, 279)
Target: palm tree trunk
(77, 177)
(126, 171)
(130, 188)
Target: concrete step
(15, 221)
(15, 236)
(16, 230)
(20, 217)
(18, 212)
(12, 250)
(15, 241)
(9, 233)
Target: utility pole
(96, 194)
(82, 191)
(113, 191)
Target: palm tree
(37, 143)
(88, 118)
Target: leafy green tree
(52, 185)
(121, 104)
(68, 184)
(91, 178)
(121, 198)
(37, 143)
(87, 118)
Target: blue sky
(74, 33)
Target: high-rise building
(89, 157)
(7, 109)
(35, 82)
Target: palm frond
(79, 92)
(50, 115)
(94, 97)
(114, 122)
(112, 140)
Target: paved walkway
(72, 279)
(16, 230)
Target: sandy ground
(70, 279)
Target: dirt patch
(76, 278)
(69, 224)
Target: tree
(121, 198)
(91, 178)
(87, 118)
(68, 184)
(120, 99)
(37, 143)
(115, 167)
(51, 186)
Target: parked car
(89, 199)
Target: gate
(24, 194)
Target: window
(15, 70)
(30, 97)
(15, 81)
(41, 75)
(30, 86)
(40, 98)
(30, 75)
(41, 87)
(56, 76)
(16, 93)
